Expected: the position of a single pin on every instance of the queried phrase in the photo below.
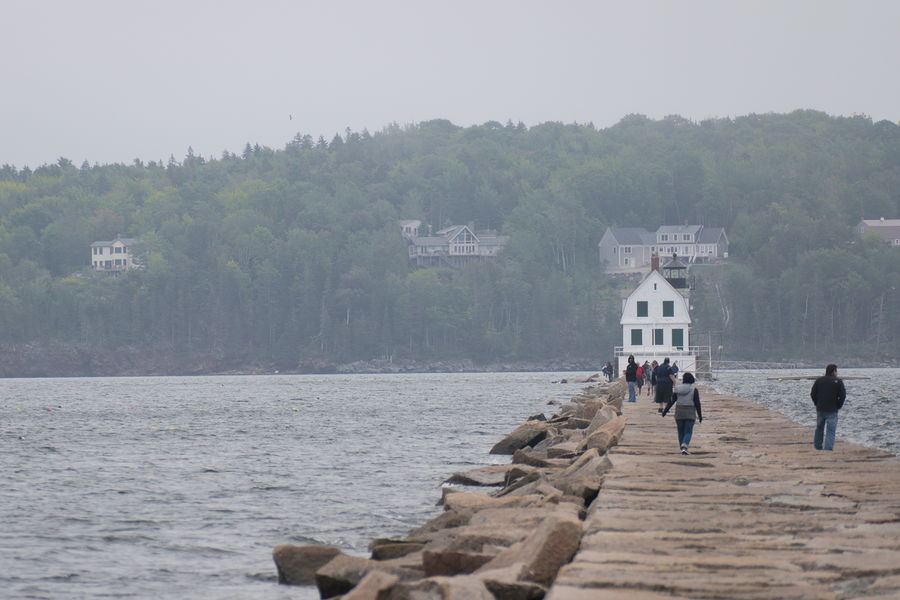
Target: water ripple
(179, 487)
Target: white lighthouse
(656, 319)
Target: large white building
(656, 319)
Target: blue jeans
(631, 393)
(826, 426)
(685, 431)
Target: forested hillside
(293, 257)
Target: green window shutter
(668, 308)
(642, 308)
(637, 338)
(657, 337)
(678, 338)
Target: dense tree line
(275, 257)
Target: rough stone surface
(523, 517)
(390, 550)
(441, 588)
(453, 562)
(297, 565)
(544, 551)
(511, 583)
(373, 586)
(527, 434)
(471, 500)
(584, 477)
(448, 518)
(753, 512)
(489, 475)
(601, 417)
(538, 459)
(344, 572)
(564, 449)
(604, 437)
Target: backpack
(640, 372)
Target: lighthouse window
(668, 308)
(637, 338)
(642, 308)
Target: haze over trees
(290, 256)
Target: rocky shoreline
(508, 544)
(591, 507)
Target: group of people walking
(662, 382)
(827, 393)
(657, 377)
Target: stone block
(297, 565)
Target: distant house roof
(675, 262)
(711, 235)
(678, 229)
(489, 237)
(126, 241)
(430, 241)
(889, 229)
(632, 236)
(451, 232)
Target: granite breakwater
(590, 507)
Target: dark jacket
(828, 394)
(663, 372)
(631, 372)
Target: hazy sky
(114, 80)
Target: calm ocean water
(179, 487)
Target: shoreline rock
(508, 543)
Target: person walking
(608, 371)
(686, 399)
(828, 395)
(631, 378)
(647, 375)
(664, 382)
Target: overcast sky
(114, 80)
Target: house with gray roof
(630, 248)
(887, 229)
(454, 246)
(114, 256)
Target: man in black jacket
(828, 394)
(631, 378)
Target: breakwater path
(753, 512)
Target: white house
(113, 256)
(631, 248)
(410, 228)
(656, 319)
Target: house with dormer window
(631, 248)
(454, 246)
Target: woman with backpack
(686, 399)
